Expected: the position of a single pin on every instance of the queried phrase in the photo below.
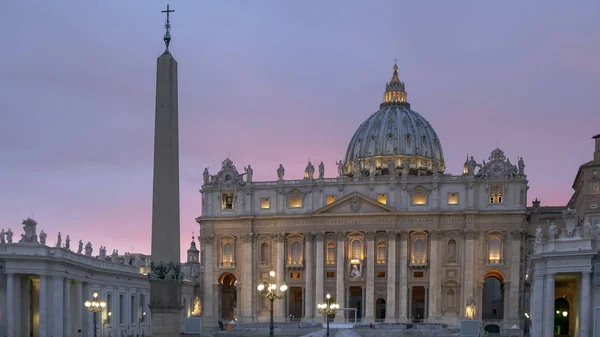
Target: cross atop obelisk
(167, 37)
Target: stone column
(537, 306)
(280, 276)
(339, 275)
(370, 293)
(12, 315)
(319, 297)
(585, 300)
(68, 328)
(390, 304)
(247, 282)
(549, 307)
(309, 295)
(79, 308)
(208, 296)
(468, 266)
(58, 311)
(403, 290)
(515, 264)
(43, 299)
(434, 270)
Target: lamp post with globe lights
(268, 290)
(329, 307)
(94, 306)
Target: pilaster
(370, 293)
(390, 304)
(79, 311)
(43, 299)
(208, 296)
(403, 286)
(515, 266)
(549, 306)
(319, 297)
(12, 315)
(68, 328)
(247, 283)
(434, 279)
(585, 302)
(58, 310)
(280, 276)
(340, 296)
(537, 306)
(309, 295)
(468, 265)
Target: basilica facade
(392, 237)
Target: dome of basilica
(394, 140)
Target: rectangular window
(418, 274)
(295, 202)
(419, 199)
(496, 194)
(227, 201)
(381, 274)
(121, 309)
(453, 198)
(382, 198)
(330, 199)
(295, 275)
(330, 274)
(265, 203)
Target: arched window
(264, 253)
(494, 251)
(451, 251)
(381, 251)
(419, 251)
(450, 299)
(296, 252)
(330, 252)
(228, 254)
(356, 253)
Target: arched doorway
(561, 316)
(493, 295)
(380, 309)
(228, 286)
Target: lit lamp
(565, 314)
(329, 307)
(269, 292)
(94, 306)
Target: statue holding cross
(167, 37)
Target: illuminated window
(265, 203)
(494, 250)
(496, 194)
(295, 202)
(330, 274)
(381, 274)
(451, 251)
(419, 251)
(228, 254)
(330, 199)
(382, 198)
(419, 199)
(356, 253)
(330, 252)
(295, 275)
(381, 251)
(452, 198)
(227, 201)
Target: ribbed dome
(394, 136)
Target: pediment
(355, 203)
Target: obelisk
(165, 277)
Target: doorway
(228, 285)
(418, 303)
(380, 309)
(355, 301)
(295, 305)
(561, 316)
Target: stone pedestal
(469, 328)
(165, 308)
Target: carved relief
(320, 235)
(355, 203)
(391, 235)
(247, 238)
(435, 234)
(340, 236)
(278, 237)
(516, 234)
(471, 234)
(208, 238)
(370, 235)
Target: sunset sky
(270, 82)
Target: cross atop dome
(395, 89)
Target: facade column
(58, 310)
(79, 306)
(208, 295)
(515, 277)
(12, 315)
(68, 328)
(585, 300)
(468, 265)
(247, 282)
(309, 295)
(403, 290)
(340, 277)
(390, 304)
(537, 305)
(370, 293)
(319, 297)
(434, 280)
(43, 307)
(280, 277)
(549, 307)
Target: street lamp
(94, 306)
(269, 292)
(328, 308)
